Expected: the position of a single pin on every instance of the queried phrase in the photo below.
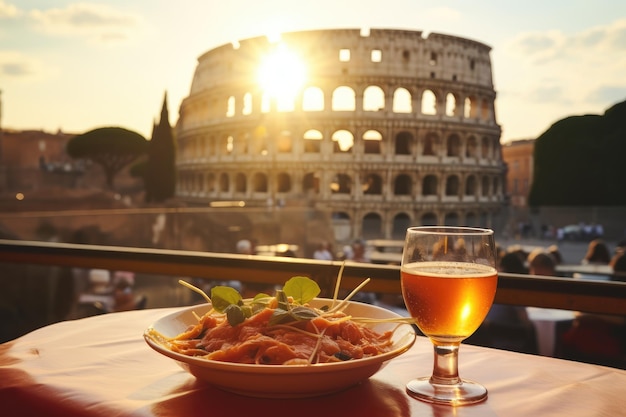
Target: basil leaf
(222, 297)
(301, 289)
(303, 313)
(279, 316)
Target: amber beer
(448, 300)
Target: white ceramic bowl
(283, 381)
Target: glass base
(467, 392)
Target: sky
(78, 65)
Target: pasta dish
(277, 330)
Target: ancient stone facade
(390, 128)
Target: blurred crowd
(590, 337)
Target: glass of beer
(449, 281)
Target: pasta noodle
(327, 337)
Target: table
(101, 366)
(546, 321)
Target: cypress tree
(160, 174)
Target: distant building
(518, 156)
(390, 129)
(29, 157)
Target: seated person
(541, 263)
(598, 338)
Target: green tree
(112, 148)
(160, 167)
(579, 160)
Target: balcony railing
(561, 293)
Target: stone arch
(471, 148)
(401, 222)
(454, 145)
(283, 182)
(429, 219)
(373, 98)
(259, 182)
(451, 219)
(247, 104)
(471, 185)
(402, 185)
(311, 183)
(485, 186)
(372, 225)
(224, 182)
(429, 102)
(452, 185)
(403, 143)
(372, 140)
(402, 101)
(312, 141)
(430, 144)
(429, 185)
(341, 184)
(372, 184)
(450, 105)
(313, 99)
(343, 141)
(240, 183)
(230, 107)
(344, 99)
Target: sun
(281, 75)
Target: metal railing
(526, 290)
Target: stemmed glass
(449, 281)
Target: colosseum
(382, 128)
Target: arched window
(403, 143)
(450, 105)
(485, 186)
(430, 144)
(373, 98)
(313, 99)
(401, 222)
(402, 185)
(230, 110)
(429, 185)
(429, 102)
(259, 183)
(240, 183)
(344, 99)
(372, 226)
(470, 185)
(343, 141)
(454, 145)
(284, 142)
(311, 183)
(341, 184)
(247, 104)
(452, 185)
(371, 142)
(429, 219)
(471, 150)
(373, 184)
(224, 182)
(312, 141)
(402, 101)
(451, 219)
(283, 181)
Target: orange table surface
(101, 366)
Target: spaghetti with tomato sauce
(330, 337)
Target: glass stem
(446, 365)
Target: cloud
(8, 11)
(18, 66)
(96, 21)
